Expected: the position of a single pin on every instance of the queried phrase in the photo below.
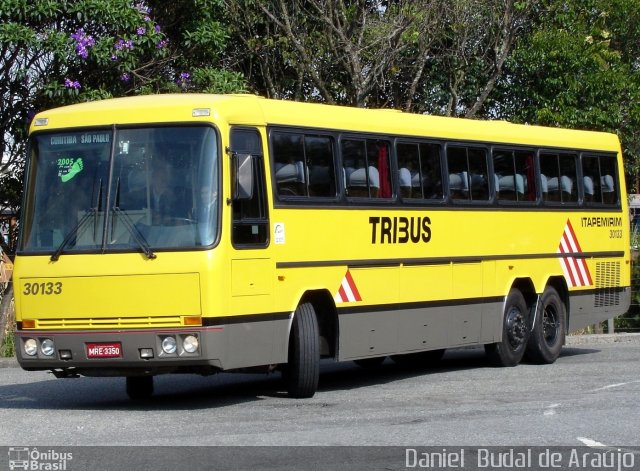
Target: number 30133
(42, 288)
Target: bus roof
(253, 110)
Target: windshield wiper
(133, 230)
(137, 235)
(79, 225)
(56, 255)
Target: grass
(7, 349)
(7, 328)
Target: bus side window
(609, 179)
(561, 179)
(431, 171)
(599, 179)
(320, 168)
(526, 171)
(366, 168)
(360, 180)
(468, 179)
(419, 170)
(303, 165)
(591, 179)
(289, 169)
(514, 175)
(569, 178)
(250, 218)
(378, 159)
(408, 170)
(505, 177)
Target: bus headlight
(190, 344)
(31, 347)
(169, 345)
(47, 347)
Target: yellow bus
(202, 233)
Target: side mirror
(242, 167)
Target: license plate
(104, 350)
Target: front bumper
(233, 344)
(140, 352)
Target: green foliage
(57, 52)
(578, 67)
(630, 321)
(7, 321)
(8, 348)
(10, 191)
(218, 81)
(567, 63)
(437, 56)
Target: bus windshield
(122, 190)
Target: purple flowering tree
(59, 52)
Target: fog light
(31, 347)
(47, 347)
(169, 345)
(190, 343)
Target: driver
(166, 203)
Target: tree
(439, 56)
(56, 52)
(198, 38)
(578, 67)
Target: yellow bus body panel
(459, 246)
(120, 290)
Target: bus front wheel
(139, 387)
(302, 372)
(515, 332)
(547, 335)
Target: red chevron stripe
(352, 285)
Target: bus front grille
(111, 323)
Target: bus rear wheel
(139, 387)
(302, 372)
(547, 335)
(515, 332)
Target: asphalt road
(590, 396)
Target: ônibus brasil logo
(34, 459)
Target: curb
(600, 339)
(10, 362)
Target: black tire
(370, 362)
(515, 332)
(139, 388)
(302, 372)
(419, 359)
(549, 328)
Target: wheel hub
(550, 325)
(516, 328)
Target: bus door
(252, 268)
